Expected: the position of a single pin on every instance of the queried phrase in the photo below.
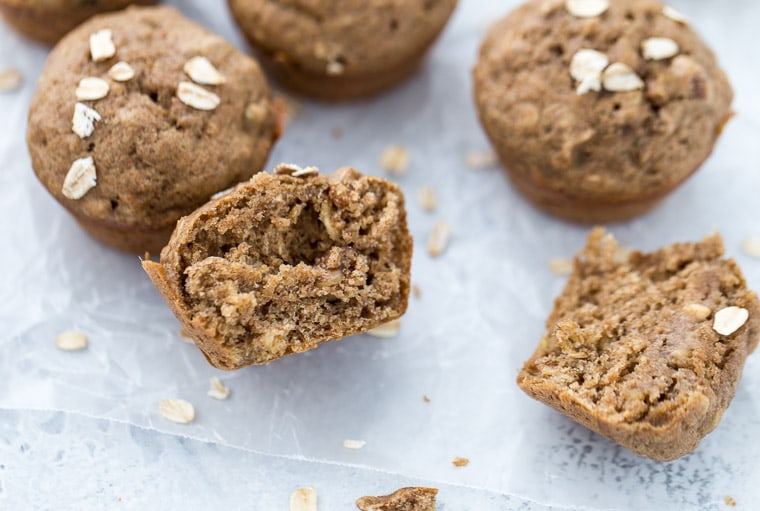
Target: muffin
(140, 117)
(647, 349)
(599, 108)
(341, 49)
(49, 20)
(286, 262)
(404, 499)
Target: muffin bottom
(127, 238)
(49, 25)
(336, 88)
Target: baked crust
(341, 50)
(156, 158)
(600, 156)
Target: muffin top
(342, 37)
(600, 98)
(140, 116)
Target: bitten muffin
(647, 349)
(404, 499)
(49, 20)
(341, 49)
(599, 108)
(140, 117)
(286, 262)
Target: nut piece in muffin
(404, 499)
(140, 117)
(49, 20)
(597, 114)
(340, 50)
(285, 262)
(646, 349)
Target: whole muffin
(49, 20)
(599, 108)
(140, 117)
(341, 49)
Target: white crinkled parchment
(480, 314)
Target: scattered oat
(201, 71)
(10, 79)
(426, 399)
(335, 68)
(587, 8)
(586, 68)
(80, 178)
(730, 319)
(675, 15)
(293, 107)
(416, 291)
(71, 341)
(395, 159)
(751, 247)
(460, 462)
(620, 77)
(197, 97)
(91, 89)
(439, 238)
(101, 45)
(291, 169)
(121, 72)
(406, 499)
(427, 198)
(386, 330)
(354, 444)
(659, 48)
(561, 266)
(217, 390)
(83, 122)
(185, 336)
(177, 410)
(303, 499)
(481, 159)
(729, 500)
(697, 311)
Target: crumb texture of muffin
(598, 118)
(162, 113)
(647, 349)
(404, 499)
(49, 20)
(341, 49)
(284, 263)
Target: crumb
(729, 500)
(426, 399)
(460, 462)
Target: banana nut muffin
(404, 499)
(285, 262)
(341, 49)
(599, 108)
(647, 349)
(49, 20)
(140, 117)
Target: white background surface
(82, 430)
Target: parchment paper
(480, 315)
